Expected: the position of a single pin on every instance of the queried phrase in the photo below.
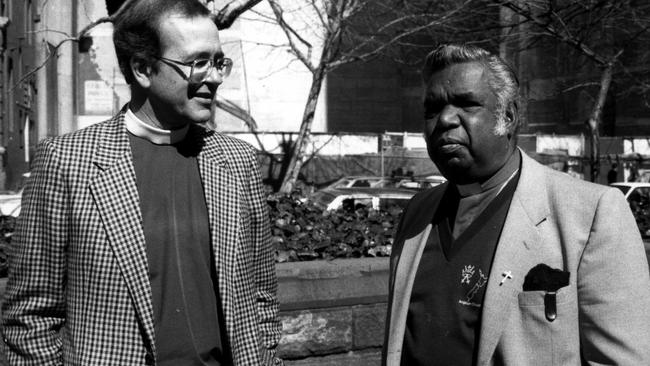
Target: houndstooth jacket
(78, 291)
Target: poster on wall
(98, 98)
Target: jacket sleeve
(264, 265)
(614, 288)
(33, 310)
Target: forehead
(462, 78)
(186, 36)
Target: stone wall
(333, 312)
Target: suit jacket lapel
(116, 197)
(417, 228)
(515, 255)
(224, 202)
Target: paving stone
(368, 325)
(319, 332)
(366, 358)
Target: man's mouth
(203, 98)
(449, 142)
(449, 148)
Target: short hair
(502, 78)
(136, 30)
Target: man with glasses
(145, 239)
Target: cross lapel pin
(506, 276)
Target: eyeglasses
(202, 67)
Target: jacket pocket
(547, 342)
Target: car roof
(631, 184)
(365, 190)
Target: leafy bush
(7, 224)
(301, 231)
(641, 211)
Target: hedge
(301, 231)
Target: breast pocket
(555, 341)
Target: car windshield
(623, 189)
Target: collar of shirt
(474, 198)
(155, 135)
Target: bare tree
(600, 31)
(326, 34)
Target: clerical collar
(502, 176)
(153, 134)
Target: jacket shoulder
(420, 210)
(85, 137)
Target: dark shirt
(181, 270)
(444, 316)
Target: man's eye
(200, 64)
(432, 108)
(467, 104)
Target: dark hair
(502, 80)
(136, 29)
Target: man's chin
(201, 116)
(454, 169)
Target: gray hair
(502, 78)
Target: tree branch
(229, 13)
(288, 31)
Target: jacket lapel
(417, 228)
(404, 276)
(514, 256)
(224, 202)
(115, 194)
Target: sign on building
(98, 98)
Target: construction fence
(332, 156)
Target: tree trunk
(595, 119)
(296, 162)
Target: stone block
(328, 284)
(319, 332)
(368, 325)
(366, 358)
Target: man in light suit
(144, 239)
(510, 262)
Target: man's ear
(512, 117)
(141, 72)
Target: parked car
(635, 192)
(638, 196)
(10, 200)
(421, 183)
(377, 198)
(10, 203)
(360, 181)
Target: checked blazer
(78, 291)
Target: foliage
(7, 224)
(641, 212)
(301, 231)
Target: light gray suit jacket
(583, 228)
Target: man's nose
(448, 116)
(214, 76)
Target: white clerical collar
(153, 134)
(499, 179)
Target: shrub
(301, 231)
(7, 224)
